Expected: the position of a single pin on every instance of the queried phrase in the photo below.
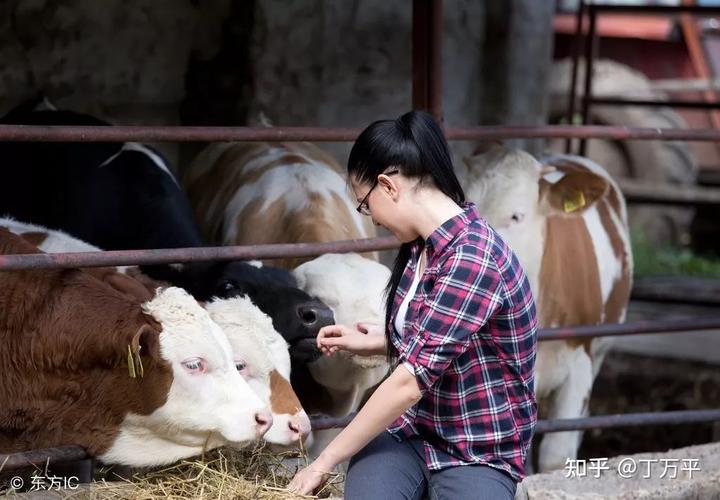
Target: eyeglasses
(363, 207)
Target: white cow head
(516, 194)
(209, 404)
(352, 286)
(261, 356)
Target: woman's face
(387, 204)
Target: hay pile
(220, 474)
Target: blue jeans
(389, 470)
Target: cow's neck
(140, 446)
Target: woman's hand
(309, 480)
(366, 339)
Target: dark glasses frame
(363, 207)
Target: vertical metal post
(420, 41)
(590, 51)
(576, 46)
(427, 56)
(435, 60)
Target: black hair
(415, 145)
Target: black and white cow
(121, 196)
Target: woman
(455, 417)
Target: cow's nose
(263, 421)
(315, 315)
(299, 427)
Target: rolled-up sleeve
(467, 292)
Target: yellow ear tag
(131, 363)
(576, 202)
(139, 366)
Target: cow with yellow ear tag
(566, 220)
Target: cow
(260, 353)
(566, 220)
(262, 359)
(255, 193)
(352, 286)
(133, 382)
(120, 196)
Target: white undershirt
(402, 310)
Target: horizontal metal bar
(573, 424)
(125, 133)
(617, 132)
(654, 9)
(637, 191)
(634, 328)
(19, 460)
(627, 420)
(122, 133)
(618, 101)
(203, 254)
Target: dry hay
(220, 474)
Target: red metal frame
(591, 41)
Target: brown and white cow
(567, 222)
(134, 382)
(260, 352)
(255, 193)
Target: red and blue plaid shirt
(470, 335)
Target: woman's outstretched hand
(365, 339)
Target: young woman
(455, 417)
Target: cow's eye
(517, 217)
(194, 365)
(228, 286)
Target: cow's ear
(146, 342)
(570, 189)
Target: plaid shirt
(470, 335)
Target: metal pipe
(572, 95)
(174, 133)
(627, 419)
(204, 254)
(420, 52)
(121, 133)
(618, 101)
(434, 68)
(634, 328)
(39, 458)
(617, 132)
(656, 9)
(322, 422)
(590, 52)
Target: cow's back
(262, 193)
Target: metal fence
(427, 84)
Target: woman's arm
(395, 395)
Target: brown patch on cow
(65, 338)
(283, 399)
(569, 281)
(123, 283)
(322, 220)
(35, 238)
(577, 179)
(619, 297)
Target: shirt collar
(448, 230)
